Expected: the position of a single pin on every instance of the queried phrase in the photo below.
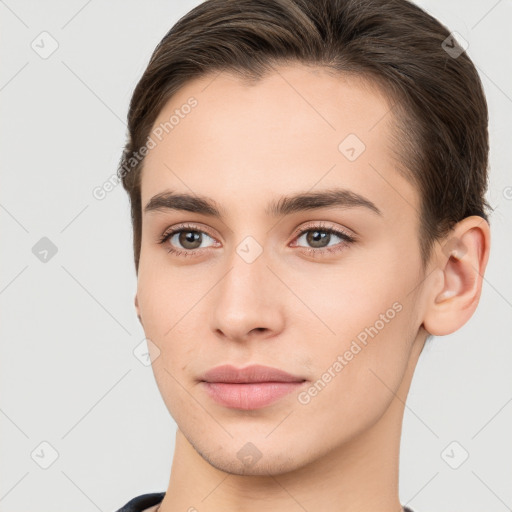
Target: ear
(138, 310)
(461, 259)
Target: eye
(319, 238)
(185, 237)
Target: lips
(248, 388)
(253, 373)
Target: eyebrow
(331, 198)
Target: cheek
(348, 298)
(171, 303)
(165, 296)
(357, 376)
(167, 310)
(370, 333)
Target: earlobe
(136, 302)
(461, 258)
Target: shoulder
(142, 502)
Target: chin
(275, 464)
(238, 456)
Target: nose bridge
(245, 299)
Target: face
(324, 287)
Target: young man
(307, 183)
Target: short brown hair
(438, 101)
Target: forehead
(295, 129)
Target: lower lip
(249, 396)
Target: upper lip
(253, 373)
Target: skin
(243, 146)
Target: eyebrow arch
(337, 198)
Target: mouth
(249, 388)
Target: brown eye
(318, 239)
(190, 239)
(185, 240)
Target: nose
(247, 303)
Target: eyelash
(347, 239)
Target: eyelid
(320, 225)
(183, 227)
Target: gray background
(68, 373)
